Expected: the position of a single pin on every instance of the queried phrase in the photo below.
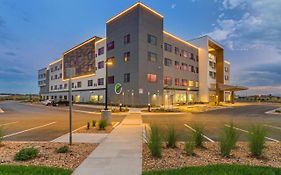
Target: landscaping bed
(210, 154)
(96, 128)
(48, 154)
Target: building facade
(149, 65)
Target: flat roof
(81, 44)
(179, 39)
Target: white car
(47, 102)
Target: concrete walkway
(120, 153)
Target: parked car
(62, 103)
(48, 102)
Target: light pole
(186, 97)
(70, 72)
(108, 62)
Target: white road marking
(116, 124)
(20, 132)
(268, 138)
(8, 123)
(189, 127)
(1, 111)
(275, 127)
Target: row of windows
(184, 82)
(212, 74)
(100, 82)
(42, 82)
(183, 66)
(55, 77)
(169, 48)
(56, 68)
(42, 76)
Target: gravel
(176, 158)
(47, 155)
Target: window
(197, 70)
(197, 84)
(152, 57)
(226, 69)
(60, 86)
(191, 68)
(168, 80)
(126, 56)
(168, 47)
(56, 76)
(127, 39)
(110, 45)
(65, 86)
(52, 77)
(72, 85)
(152, 78)
(152, 39)
(90, 82)
(79, 84)
(100, 81)
(56, 87)
(126, 77)
(60, 75)
(101, 51)
(191, 83)
(51, 87)
(192, 56)
(184, 82)
(177, 81)
(177, 50)
(177, 64)
(100, 64)
(52, 69)
(226, 77)
(168, 62)
(110, 80)
(184, 66)
(184, 53)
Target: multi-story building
(150, 65)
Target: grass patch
(155, 141)
(219, 170)
(1, 135)
(171, 137)
(228, 140)
(189, 147)
(31, 170)
(63, 149)
(27, 154)
(257, 140)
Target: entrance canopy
(226, 87)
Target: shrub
(63, 149)
(189, 146)
(198, 135)
(228, 140)
(94, 123)
(257, 140)
(27, 154)
(154, 141)
(1, 135)
(171, 137)
(103, 124)
(88, 125)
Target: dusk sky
(35, 32)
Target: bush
(88, 125)
(27, 154)
(63, 149)
(189, 146)
(198, 135)
(171, 137)
(94, 123)
(103, 124)
(228, 140)
(1, 135)
(257, 140)
(154, 141)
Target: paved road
(213, 121)
(40, 123)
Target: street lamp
(108, 62)
(186, 99)
(70, 72)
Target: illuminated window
(152, 57)
(191, 83)
(184, 66)
(152, 39)
(168, 80)
(101, 51)
(184, 53)
(127, 78)
(127, 39)
(168, 47)
(110, 80)
(152, 78)
(168, 62)
(126, 56)
(110, 45)
(184, 82)
(177, 64)
(100, 81)
(197, 84)
(177, 81)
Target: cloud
(173, 6)
(10, 53)
(231, 4)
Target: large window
(184, 66)
(126, 56)
(184, 82)
(152, 39)
(168, 47)
(100, 64)
(100, 81)
(177, 81)
(110, 45)
(90, 83)
(127, 78)
(79, 84)
(127, 39)
(101, 51)
(110, 80)
(168, 62)
(168, 80)
(152, 56)
(191, 83)
(177, 64)
(152, 78)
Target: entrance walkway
(120, 153)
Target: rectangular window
(184, 66)
(197, 84)
(177, 51)
(100, 81)
(226, 77)
(191, 83)
(100, 64)
(192, 56)
(110, 80)
(127, 39)
(126, 77)
(56, 87)
(60, 75)
(79, 84)
(60, 86)
(168, 47)
(226, 69)
(65, 86)
(110, 45)
(177, 64)
(126, 56)
(184, 82)
(51, 87)
(177, 81)
(152, 57)
(90, 82)
(197, 70)
(168, 80)
(152, 39)
(168, 62)
(152, 78)
(101, 51)
(184, 53)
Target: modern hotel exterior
(150, 65)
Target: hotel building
(149, 65)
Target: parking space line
(275, 127)
(20, 132)
(268, 138)
(189, 127)
(8, 123)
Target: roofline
(56, 61)
(209, 38)
(132, 7)
(184, 41)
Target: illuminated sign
(118, 88)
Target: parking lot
(35, 122)
(243, 117)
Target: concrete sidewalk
(120, 153)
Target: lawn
(219, 170)
(31, 170)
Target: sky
(33, 33)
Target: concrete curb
(273, 111)
(1, 111)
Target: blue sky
(33, 33)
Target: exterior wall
(227, 94)
(43, 82)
